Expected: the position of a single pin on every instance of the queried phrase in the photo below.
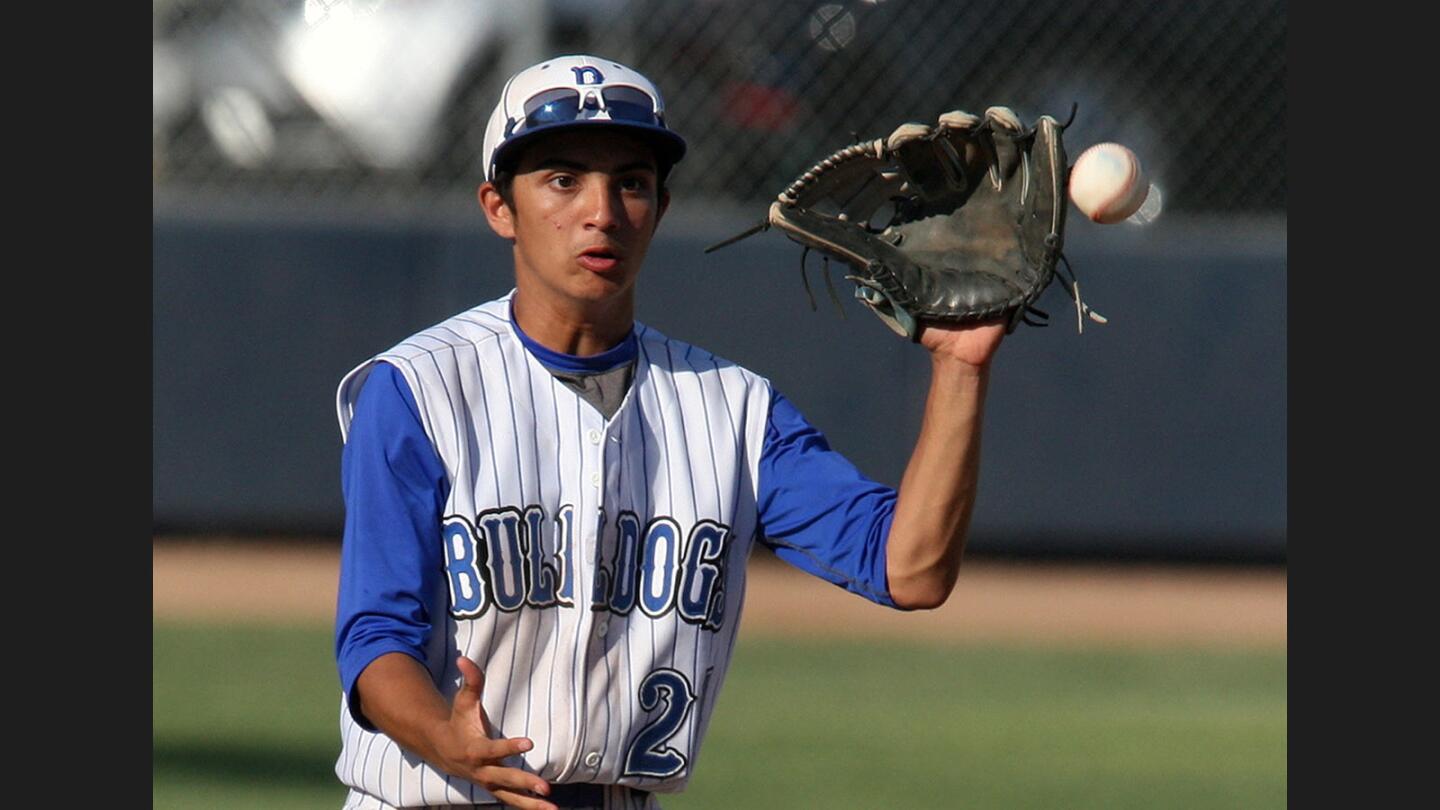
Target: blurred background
(314, 167)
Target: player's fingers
(468, 704)
(473, 684)
(471, 672)
(491, 749)
(521, 800)
(495, 776)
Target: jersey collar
(614, 357)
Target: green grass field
(245, 717)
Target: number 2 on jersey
(648, 754)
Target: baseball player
(549, 504)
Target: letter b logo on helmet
(590, 72)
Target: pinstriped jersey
(594, 568)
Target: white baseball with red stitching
(1107, 183)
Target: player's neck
(582, 330)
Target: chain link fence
(386, 102)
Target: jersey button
(595, 478)
(602, 627)
(592, 759)
(594, 436)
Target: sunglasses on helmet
(620, 102)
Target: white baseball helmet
(570, 91)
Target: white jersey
(596, 568)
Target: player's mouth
(600, 259)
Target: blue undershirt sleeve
(391, 560)
(818, 512)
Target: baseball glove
(958, 223)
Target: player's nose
(604, 207)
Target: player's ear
(497, 212)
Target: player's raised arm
(937, 492)
(951, 231)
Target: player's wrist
(959, 370)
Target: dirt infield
(1009, 602)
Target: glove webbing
(791, 194)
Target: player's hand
(466, 748)
(973, 346)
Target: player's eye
(563, 181)
(635, 183)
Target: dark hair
(504, 183)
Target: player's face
(586, 205)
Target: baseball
(1107, 183)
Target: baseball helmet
(572, 91)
